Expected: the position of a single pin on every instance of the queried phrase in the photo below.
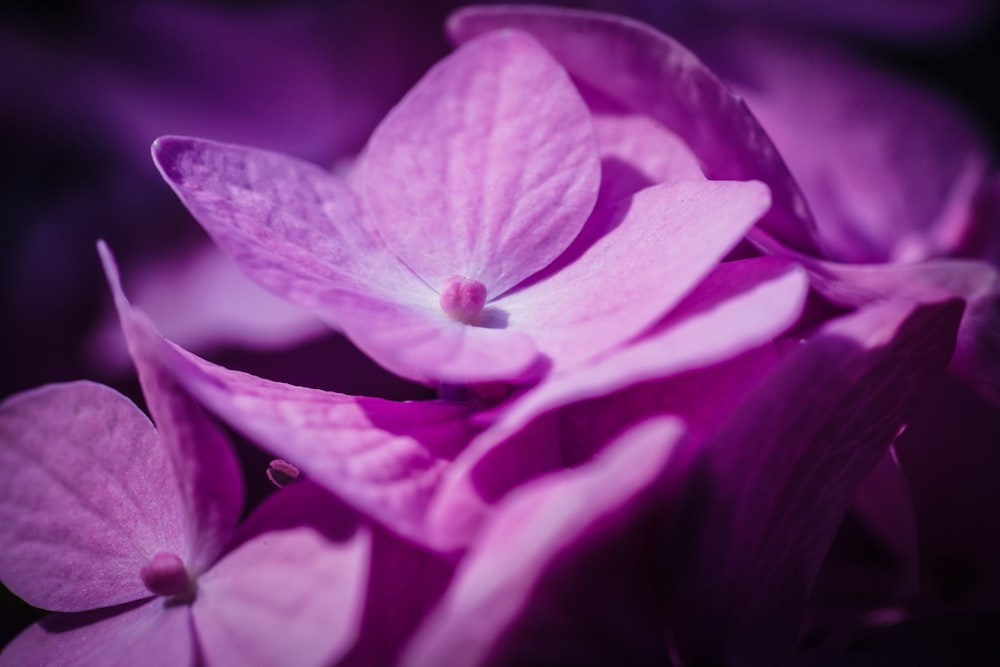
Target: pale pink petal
(383, 457)
(740, 306)
(86, 497)
(292, 592)
(652, 74)
(291, 226)
(631, 266)
(487, 168)
(202, 461)
(148, 633)
(637, 152)
(204, 302)
(528, 541)
(782, 471)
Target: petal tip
(169, 156)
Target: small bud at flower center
(166, 575)
(462, 298)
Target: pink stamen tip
(462, 298)
(166, 575)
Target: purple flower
(467, 248)
(129, 530)
(398, 461)
(677, 542)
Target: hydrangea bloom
(468, 247)
(660, 469)
(914, 209)
(684, 226)
(129, 530)
(732, 522)
(398, 461)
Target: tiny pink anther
(282, 473)
(462, 298)
(166, 575)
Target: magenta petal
(149, 633)
(86, 497)
(293, 592)
(293, 227)
(383, 457)
(487, 168)
(203, 462)
(534, 528)
(637, 152)
(404, 584)
(889, 169)
(738, 307)
(650, 252)
(782, 472)
(652, 74)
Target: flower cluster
(662, 342)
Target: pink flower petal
(203, 462)
(654, 75)
(150, 633)
(637, 152)
(293, 227)
(383, 457)
(86, 497)
(292, 592)
(740, 306)
(301, 233)
(487, 169)
(889, 169)
(782, 472)
(430, 347)
(537, 529)
(631, 266)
